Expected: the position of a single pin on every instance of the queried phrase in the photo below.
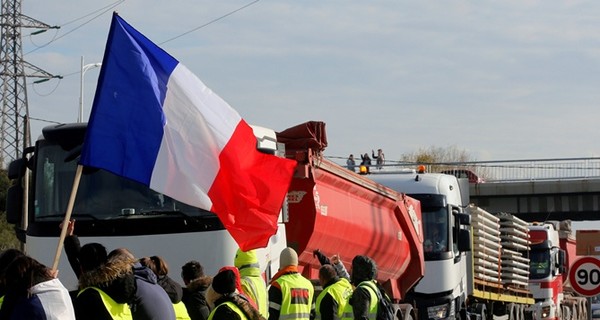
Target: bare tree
(447, 159)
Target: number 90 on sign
(585, 276)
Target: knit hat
(245, 259)
(288, 257)
(226, 281)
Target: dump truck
(328, 208)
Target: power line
(97, 13)
(210, 22)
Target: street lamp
(84, 68)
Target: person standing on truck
(290, 294)
(332, 301)
(350, 163)
(366, 161)
(226, 300)
(194, 293)
(380, 158)
(363, 302)
(253, 285)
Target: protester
(350, 163)
(286, 283)
(227, 303)
(363, 302)
(332, 301)
(366, 161)
(194, 293)
(150, 301)
(107, 286)
(173, 289)
(253, 284)
(32, 292)
(335, 261)
(6, 258)
(380, 158)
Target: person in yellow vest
(106, 285)
(290, 294)
(332, 301)
(253, 284)
(363, 302)
(225, 301)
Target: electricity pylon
(15, 134)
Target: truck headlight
(545, 312)
(438, 312)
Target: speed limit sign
(585, 276)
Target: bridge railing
(503, 170)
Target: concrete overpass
(540, 200)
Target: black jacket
(115, 279)
(194, 298)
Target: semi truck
(328, 208)
(462, 280)
(553, 252)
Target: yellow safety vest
(232, 306)
(340, 292)
(1, 300)
(181, 312)
(297, 295)
(118, 311)
(349, 312)
(254, 287)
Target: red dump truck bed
(341, 212)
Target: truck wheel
(481, 311)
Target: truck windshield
(101, 195)
(435, 228)
(539, 264)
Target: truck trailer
(327, 208)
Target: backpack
(385, 308)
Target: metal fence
(504, 170)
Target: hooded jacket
(194, 298)
(363, 269)
(115, 279)
(151, 301)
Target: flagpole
(65, 224)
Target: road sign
(585, 276)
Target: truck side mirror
(16, 169)
(561, 261)
(14, 204)
(464, 240)
(463, 218)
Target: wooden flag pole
(65, 224)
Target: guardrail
(502, 170)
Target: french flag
(155, 122)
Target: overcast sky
(499, 79)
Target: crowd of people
(116, 285)
(367, 161)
